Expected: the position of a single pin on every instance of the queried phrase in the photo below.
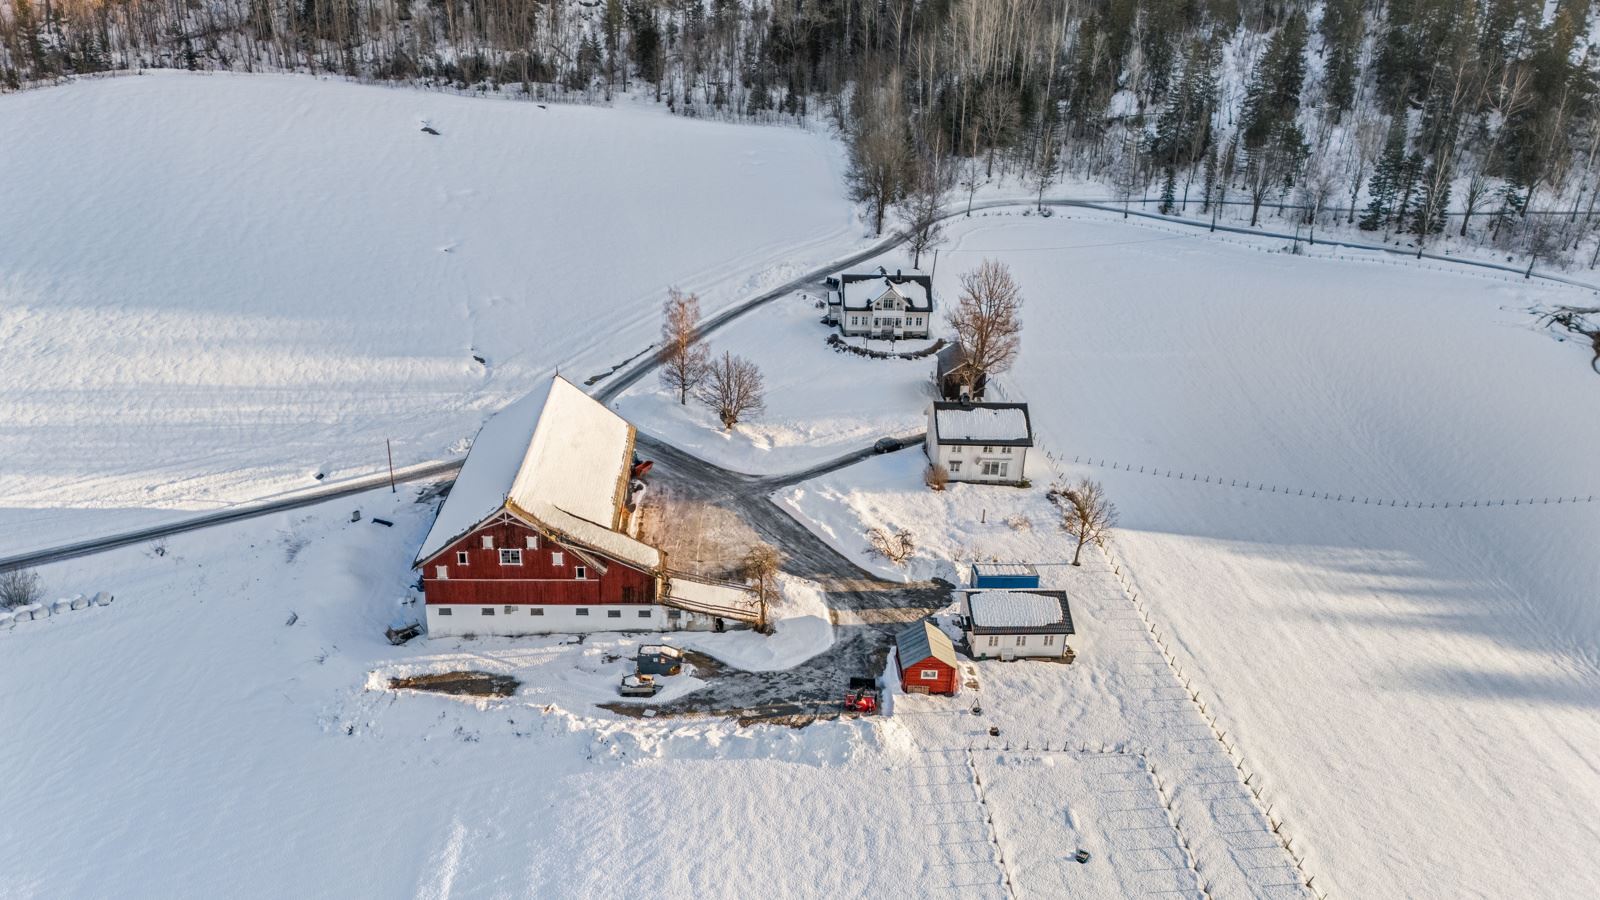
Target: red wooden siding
(944, 683)
(536, 581)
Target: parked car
(886, 445)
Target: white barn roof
(558, 457)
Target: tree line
(1407, 118)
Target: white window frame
(533, 542)
(510, 609)
(488, 541)
(1022, 640)
(1049, 640)
(988, 449)
(535, 610)
(446, 611)
(955, 466)
(462, 557)
(955, 449)
(441, 572)
(581, 573)
(557, 558)
(644, 613)
(928, 675)
(994, 468)
(1006, 451)
(994, 640)
(613, 613)
(510, 556)
(581, 611)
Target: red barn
(538, 535)
(927, 660)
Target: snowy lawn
(821, 403)
(213, 287)
(1416, 688)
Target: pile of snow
(260, 278)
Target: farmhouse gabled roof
(859, 290)
(556, 459)
(918, 642)
(1003, 424)
(1019, 612)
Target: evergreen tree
(1273, 94)
(1169, 192)
(1384, 185)
(1342, 28)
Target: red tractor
(862, 697)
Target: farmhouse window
(988, 449)
(1022, 640)
(488, 542)
(994, 467)
(533, 542)
(446, 611)
(956, 450)
(510, 609)
(557, 558)
(580, 572)
(441, 572)
(613, 613)
(1049, 640)
(487, 610)
(955, 466)
(929, 674)
(535, 610)
(582, 611)
(644, 613)
(994, 640)
(510, 557)
(1005, 451)
(461, 557)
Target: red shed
(927, 660)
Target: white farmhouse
(880, 305)
(985, 443)
(1011, 624)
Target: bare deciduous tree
(881, 160)
(896, 547)
(936, 477)
(761, 564)
(734, 388)
(19, 587)
(1086, 514)
(987, 320)
(922, 206)
(683, 356)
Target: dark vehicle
(886, 445)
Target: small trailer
(639, 686)
(659, 659)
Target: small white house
(880, 305)
(984, 443)
(1012, 624)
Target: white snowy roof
(860, 290)
(557, 456)
(1015, 609)
(982, 422)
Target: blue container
(1004, 576)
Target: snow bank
(801, 628)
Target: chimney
(897, 275)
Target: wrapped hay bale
(63, 605)
(7, 619)
(79, 601)
(103, 598)
(30, 612)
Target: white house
(1011, 624)
(985, 443)
(880, 305)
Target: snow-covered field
(821, 403)
(214, 287)
(1417, 687)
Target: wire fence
(1357, 498)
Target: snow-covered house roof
(1018, 612)
(557, 459)
(1006, 424)
(860, 290)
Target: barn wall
(457, 619)
(483, 580)
(945, 683)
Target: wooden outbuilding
(927, 660)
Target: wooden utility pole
(390, 450)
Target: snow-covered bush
(936, 477)
(896, 547)
(19, 587)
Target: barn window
(461, 557)
(488, 542)
(557, 558)
(1049, 640)
(613, 613)
(929, 674)
(510, 610)
(994, 640)
(487, 610)
(533, 542)
(535, 610)
(446, 611)
(644, 613)
(1022, 640)
(510, 557)
(441, 572)
(580, 572)
(582, 611)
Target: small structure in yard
(927, 660)
(877, 304)
(1004, 576)
(539, 533)
(638, 686)
(984, 443)
(659, 659)
(952, 376)
(1012, 624)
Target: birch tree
(683, 356)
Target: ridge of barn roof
(558, 455)
(921, 640)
